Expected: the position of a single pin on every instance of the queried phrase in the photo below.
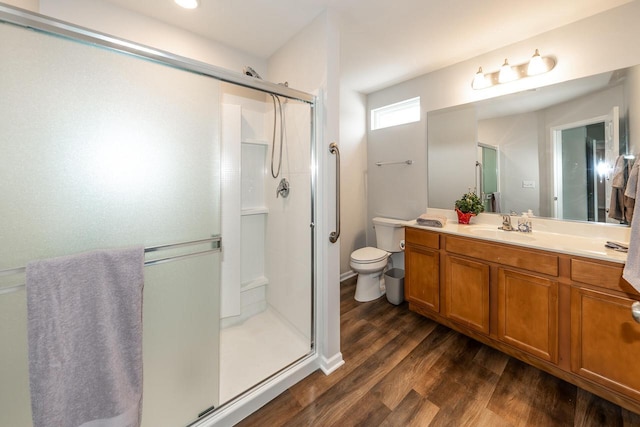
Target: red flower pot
(464, 217)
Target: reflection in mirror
(555, 150)
(487, 167)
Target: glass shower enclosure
(106, 147)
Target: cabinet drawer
(511, 256)
(600, 274)
(422, 238)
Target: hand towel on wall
(85, 339)
(631, 272)
(616, 204)
(630, 191)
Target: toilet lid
(369, 255)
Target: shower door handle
(334, 235)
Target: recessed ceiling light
(187, 4)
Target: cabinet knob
(635, 311)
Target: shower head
(251, 72)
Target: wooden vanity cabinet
(605, 340)
(525, 292)
(422, 269)
(567, 315)
(467, 293)
(528, 313)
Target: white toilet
(370, 262)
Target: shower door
(100, 149)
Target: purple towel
(85, 339)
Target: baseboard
(347, 275)
(330, 365)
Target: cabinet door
(528, 313)
(467, 293)
(605, 340)
(422, 277)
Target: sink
(495, 233)
(485, 232)
(519, 237)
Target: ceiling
(382, 42)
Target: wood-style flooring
(402, 369)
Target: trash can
(394, 282)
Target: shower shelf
(255, 141)
(254, 211)
(260, 281)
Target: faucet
(506, 223)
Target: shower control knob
(283, 188)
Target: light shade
(536, 65)
(507, 74)
(187, 4)
(479, 81)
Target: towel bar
(406, 162)
(214, 240)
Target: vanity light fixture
(537, 65)
(187, 4)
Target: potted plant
(467, 206)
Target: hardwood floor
(404, 370)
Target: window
(396, 114)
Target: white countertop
(580, 239)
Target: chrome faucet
(506, 223)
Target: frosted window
(396, 114)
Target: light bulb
(536, 65)
(187, 4)
(479, 80)
(506, 73)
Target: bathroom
(367, 190)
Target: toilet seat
(369, 255)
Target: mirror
(551, 150)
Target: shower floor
(254, 350)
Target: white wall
(611, 35)
(310, 61)
(353, 174)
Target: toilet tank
(389, 233)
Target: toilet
(370, 263)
